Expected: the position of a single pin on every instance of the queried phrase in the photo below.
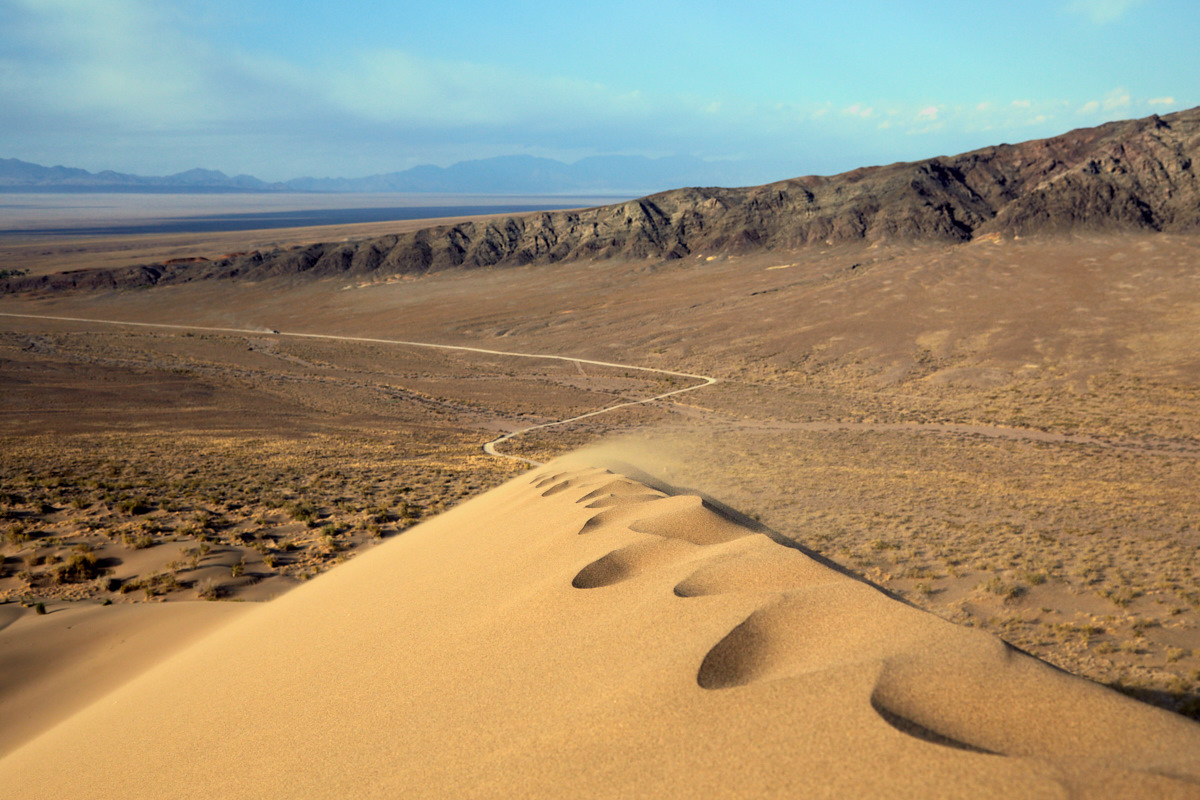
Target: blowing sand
(577, 632)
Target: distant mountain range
(501, 175)
(22, 176)
(1131, 176)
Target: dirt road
(488, 447)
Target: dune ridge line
(578, 628)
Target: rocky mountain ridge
(1136, 175)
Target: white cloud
(118, 79)
(117, 56)
(1103, 12)
(107, 75)
(1116, 99)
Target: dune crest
(577, 632)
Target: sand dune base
(577, 633)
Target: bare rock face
(1131, 175)
(1141, 179)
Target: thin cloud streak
(1103, 12)
(124, 84)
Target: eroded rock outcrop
(1131, 175)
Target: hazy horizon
(774, 90)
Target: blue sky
(283, 89)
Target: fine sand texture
(577, 632)
(55, 663)
(1004, 433)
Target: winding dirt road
(488, 447)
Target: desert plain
(909, 453)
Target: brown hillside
(1131, 175)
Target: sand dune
(53, 665)
(576, 632)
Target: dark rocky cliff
(1136, 175)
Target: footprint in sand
(636, 559)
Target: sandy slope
(578, 633)
(53, 665)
